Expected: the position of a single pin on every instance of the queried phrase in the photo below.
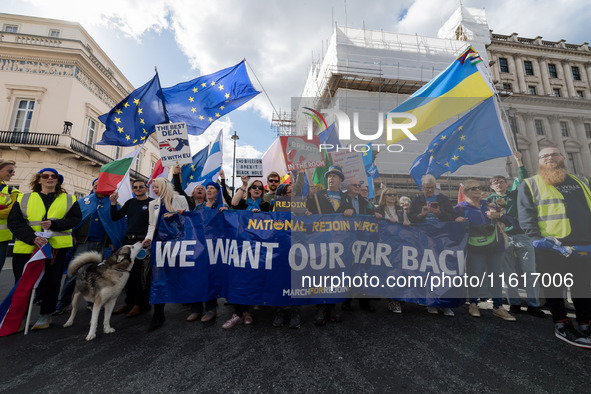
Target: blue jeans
(486, 262)
(520, 258)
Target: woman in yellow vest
(47, 214)
(8, 196)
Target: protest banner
(352, 165)
(301, 153)
(173, 141)
(282, 259)
(295, 205)
(249, 167)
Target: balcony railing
(38, 139)
(89, 151)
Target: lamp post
(234, 138)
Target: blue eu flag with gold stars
(135, 117)
(474, 138)
(203, 100)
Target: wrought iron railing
(89, 151)
(38, 139)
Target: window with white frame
(580, 94)
(55, 33)
(11, 28)
(539, 126)
(556, 92)
(138, 162)
(576, 73)
(588, 130)
(117, 152)
(529, 68)
(90, 131)
(552, 73)
(23, 116)
(503, 65)
(564, 129)
(532, 90)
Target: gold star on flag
(217, 115)
(117, 120)
(435, 144)
(222, 107)
(195, 90)
(139, 111)
(193, 109)
(136, 101)
(221, 87)
(118, 110)
(460, 128)
(463, 137)
(201, 117)
(447, 164)
(191, 99)
(191, 177)
(430, 150)
(120, 129)
(203, 84)
(443, 137)
(134, 141)
(145, 132)
(127, 137)
(461, 148)
(143, 138)
(455, 158)
(193, 167)
(210, 119)
(227, 95)
(213, 83)
(142, 121)
(126, 104)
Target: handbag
(484, 236)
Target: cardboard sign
(301, 153)
(352, 165)
(173, 141)
(249, 167)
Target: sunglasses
(390, 194)
(138, 187)
(273, 180)
(48, 176)
(256, 187)
(474, 188)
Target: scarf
(253, 204)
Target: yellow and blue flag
(458, 88)
(135, 117)
(474, 138)
(205, 99)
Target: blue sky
(186, 39)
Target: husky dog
(101, 283)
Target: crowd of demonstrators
(47, 210)
(557, 204)
(168, 206)
(8, 196)
(484, 256)
(135, 212)
(552, 205)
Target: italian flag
(112, 174)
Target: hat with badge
(335, 170)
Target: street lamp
(234, 138)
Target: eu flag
(203, 100)
(190, 173)
(474, 138)
(134, 118)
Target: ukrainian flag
(457, 89)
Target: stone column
(520, 74)
(533, 149)
(568, 78)
(582, 138)
(555, 132)
(542, 61)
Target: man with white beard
(556, 204)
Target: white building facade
(55, 81)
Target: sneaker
(536, 311)
(42, 323)
(394, 306)
(209, 316)
(564, 330)
(473, 310)
(235, 320)
(295, 319)
(432, 310)
(448, 312)
(320, 318)
(516, 309)
(248, 318)
(503, 314)
(278, 319)
(584, 328)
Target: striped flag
(14, 307)
(112, 174)
(213, 163)
(159, 172)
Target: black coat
(325, 204)
(416, 206)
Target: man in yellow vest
(8, 196)
(47, 214)
(556, 204)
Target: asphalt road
(368, 352)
